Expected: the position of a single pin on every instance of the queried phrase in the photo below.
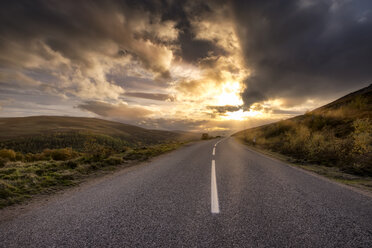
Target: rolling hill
(42, 154)
(33, 134)
(338, 134)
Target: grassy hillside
(44, 153)
(34, 134)
(338, 134)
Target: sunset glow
(230, 94)
(194, 65)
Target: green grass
(20, 180)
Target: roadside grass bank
(338, 134)
(330, 172)
(23, 176)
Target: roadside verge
(333, 173)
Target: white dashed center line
(215, 208)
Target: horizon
(200, 66)
(224, 133)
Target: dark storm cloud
(304, 48)
(191, 48)
(74, 28)
(224, 109)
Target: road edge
(266, 154)
(38, 201)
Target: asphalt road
(173, 201)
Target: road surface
(201, 195)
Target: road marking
(214, 151)
(215, 208)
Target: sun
(229, 94)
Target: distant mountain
(337, 134)
(33, 134)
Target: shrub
(148, 152)
(277, 129)
(135, 155)
(359, 103)
(362, 136)
(318, 122)
(113, 161)
(19, 156)
(63, 154)
(70, 164)
(316, 145)
(296, 140)
(6, 190)
(30, 157)
(47, 154)
(8, 154)
(96, 151)
(205, 136)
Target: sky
(182, 65)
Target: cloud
(16, 79)
(286, 112)
(152, 96)
(183, 63)
(120, 111)
(224, 109)
(304, 48)
(77, 44)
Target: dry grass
(337, 135)
(34, 134)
